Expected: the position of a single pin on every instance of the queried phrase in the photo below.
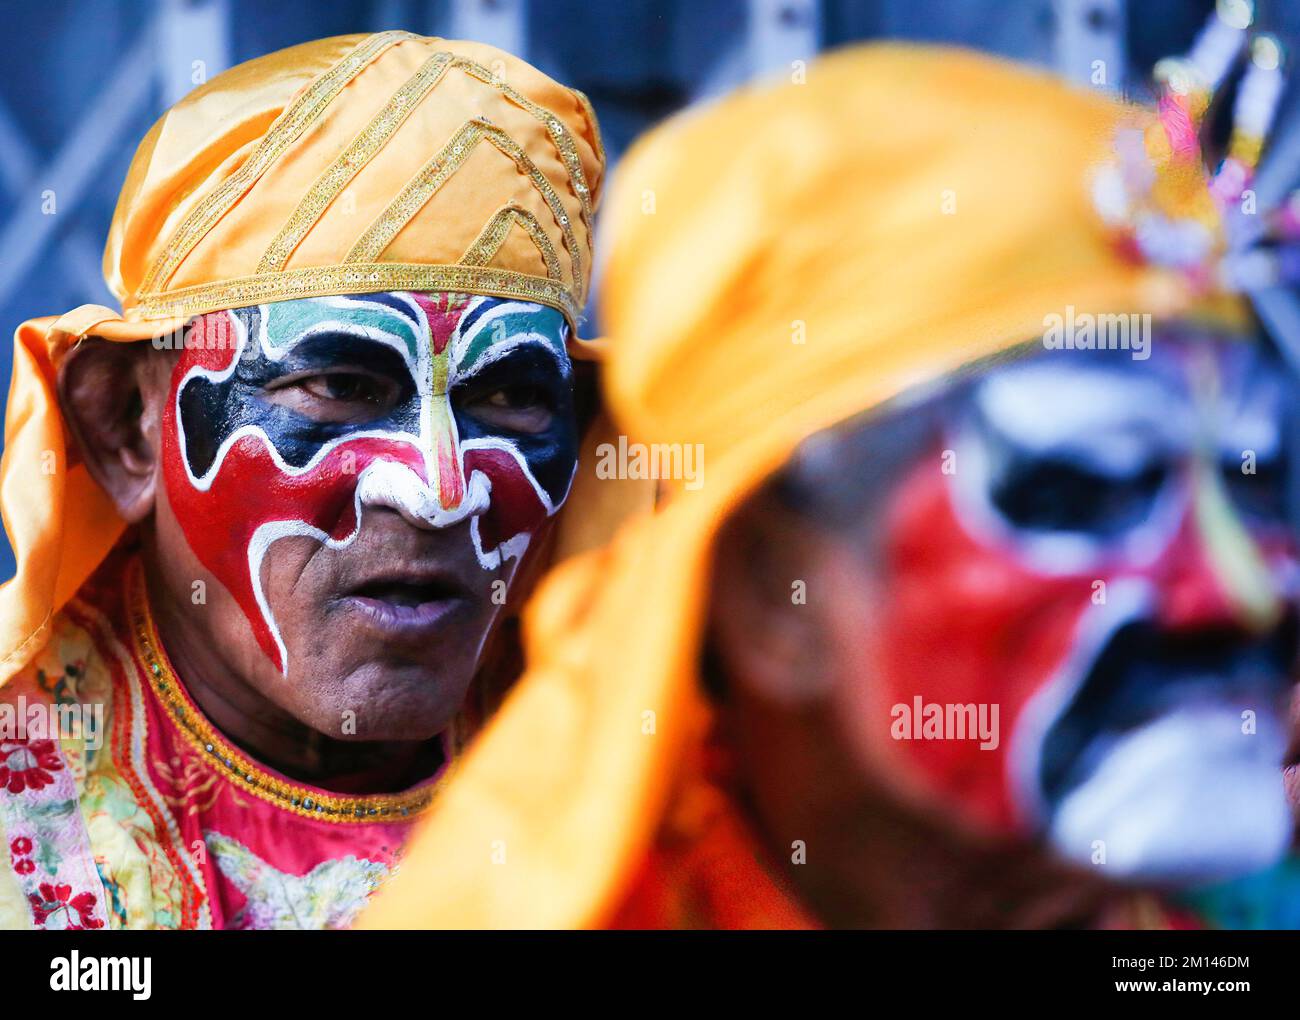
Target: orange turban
(783, 260)
(349, 165)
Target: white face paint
(1154, 751)
(1111, 421)
(1185, 798)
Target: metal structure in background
(193, 45)
(503, 23)
(66, 138)
(781, 34)
(1090, 42)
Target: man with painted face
(271, 519)
(966, 625)
(1076, 612)
(449, 417)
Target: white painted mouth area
(1185, 799)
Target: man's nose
(1215, 573)
(443, 459)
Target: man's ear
(765, 635)
(112, 396)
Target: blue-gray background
(82, 80)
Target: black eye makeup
(324, 352)
(1057, 494)
(521, 393)
(342, 395)
(336, 378)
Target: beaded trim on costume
(225, 759)
(568, 151)
(412, 198)
(485, 247)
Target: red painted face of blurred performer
(1053, 609)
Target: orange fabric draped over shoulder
(783, 259)
(348, 165)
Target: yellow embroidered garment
(148, 818)
(344, 166)
(783, 260)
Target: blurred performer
(262, 559)
(983, 609)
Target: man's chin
(383, 700)
(1186, 799)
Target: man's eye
(514, 408)
(344, 386)
(1060, 496)
(337, 397)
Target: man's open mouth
(407, 603)
(1165, 766)
(1144, 673)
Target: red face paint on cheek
(964, 624)
(516, 509)
(247, 498)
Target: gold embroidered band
(489, 242)
(435, 173)
(358, 278)
(224, 758)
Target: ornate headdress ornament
(1168, 205)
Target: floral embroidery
(149, 881)
(57, 902)
(27, 764)
(113, 836)
(49, 850)
(328, 896)
(19, 849)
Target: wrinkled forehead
(470, 328)
(1112, 405)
